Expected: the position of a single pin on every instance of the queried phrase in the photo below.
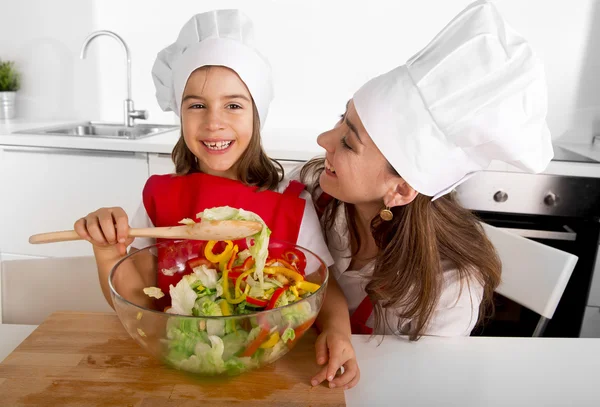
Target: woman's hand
(106, 228)
(334, 350)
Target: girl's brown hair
(254, 167)
(407, 277)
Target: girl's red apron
(169, 198)
(360, 316)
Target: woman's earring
(386, 214)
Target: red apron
(170, 198)
(360, 316)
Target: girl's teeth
(217, 145)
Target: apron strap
(294, 188)
(360, 316)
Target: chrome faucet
(130, 113)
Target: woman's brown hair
(407, 277)
(254, 167)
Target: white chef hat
(476, 93)
(218, 37)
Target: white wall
(321, 52)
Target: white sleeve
(141, 220)
(311, 235)
(457, 310)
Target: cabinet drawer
(48, 189)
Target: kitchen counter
(285, 144)
(281, 144)
(88, 355)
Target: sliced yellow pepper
(294, 291)
(272, 341)
(217, 258)
(226, 292)
(225, 308)
(306, 286)
(285, 271)
(239, 280)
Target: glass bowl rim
(114, 292)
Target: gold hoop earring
(386, 214)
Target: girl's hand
(335, 350)
(106, 228)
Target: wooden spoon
(205, 230)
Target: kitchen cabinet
(159, 164)
(591, 323)
(47, 189)
(594, 297)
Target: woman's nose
(325, 140)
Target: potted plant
(10, 82)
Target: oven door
(573, 235)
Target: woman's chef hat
(219, 37)
(476, 93)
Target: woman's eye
(345, 143)
(197, 106)
(233, 106)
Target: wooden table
(76, 359)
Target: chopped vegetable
(154, 292)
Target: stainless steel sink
(103, 130)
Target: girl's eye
(345, 143)
(197, 106)
(233, 106)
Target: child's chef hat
(476, 93)
(219, 37)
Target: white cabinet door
(594, 297)
(48, 189)
(591, 323)
(160, 164)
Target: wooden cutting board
(88, 359)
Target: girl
(221, 87)
(408, 258)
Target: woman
(409, 260)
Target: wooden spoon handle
(53, 237)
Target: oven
(555, 210)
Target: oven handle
(542, 234)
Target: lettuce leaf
(208, 277)
(183, 297)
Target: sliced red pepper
(256, 301)
(255, 344)
(199, 261)
(233, 275)
(276, 294)
(232, 258)
(248, 263)
(282, 262)
(299, 330)
(297, 259)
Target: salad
(223, 283)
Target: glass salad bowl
(224, 335)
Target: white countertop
(281, 144)
(286, 144)
(478, 372)
(471, 371)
